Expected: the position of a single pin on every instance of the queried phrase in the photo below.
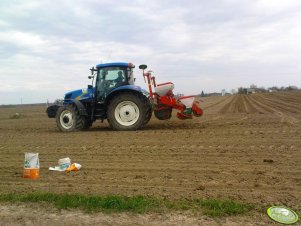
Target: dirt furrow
(287, 106)
(242, 150)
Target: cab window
(109, 79)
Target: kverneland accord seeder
(114, 96)
(164, 99)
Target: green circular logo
(282, 214)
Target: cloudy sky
(47, 47)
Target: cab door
(108, 79)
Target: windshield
(110, 78)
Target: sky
(47, 46)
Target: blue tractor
(112, 96)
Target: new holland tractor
(114, 96)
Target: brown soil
(245, 147)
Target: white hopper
(187, 101)
(164, 88)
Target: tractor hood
(80, 94)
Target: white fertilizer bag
(31, 166)
(31, 161)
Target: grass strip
(218, 208)
(136, 204)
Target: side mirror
(143, 66)
(89, 77)
(90, 87)
(92, 70)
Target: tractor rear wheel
(127, 111)
(149, 112)
(68, 119)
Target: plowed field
(245, 147)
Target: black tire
(68, 119)
(163, 114)
(149, 111)
(127, 111)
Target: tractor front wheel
(68, 119)
(127, 111)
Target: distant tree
(253, 86)
(242, 90)
(261, 89)
(179, 95)
(202, 94)
(291, 88)
(274, 88)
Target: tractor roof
(115, 64)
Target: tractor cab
(111, 76)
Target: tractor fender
(81, 108)
(126, 88)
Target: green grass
(136, 204)
(218, 208)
